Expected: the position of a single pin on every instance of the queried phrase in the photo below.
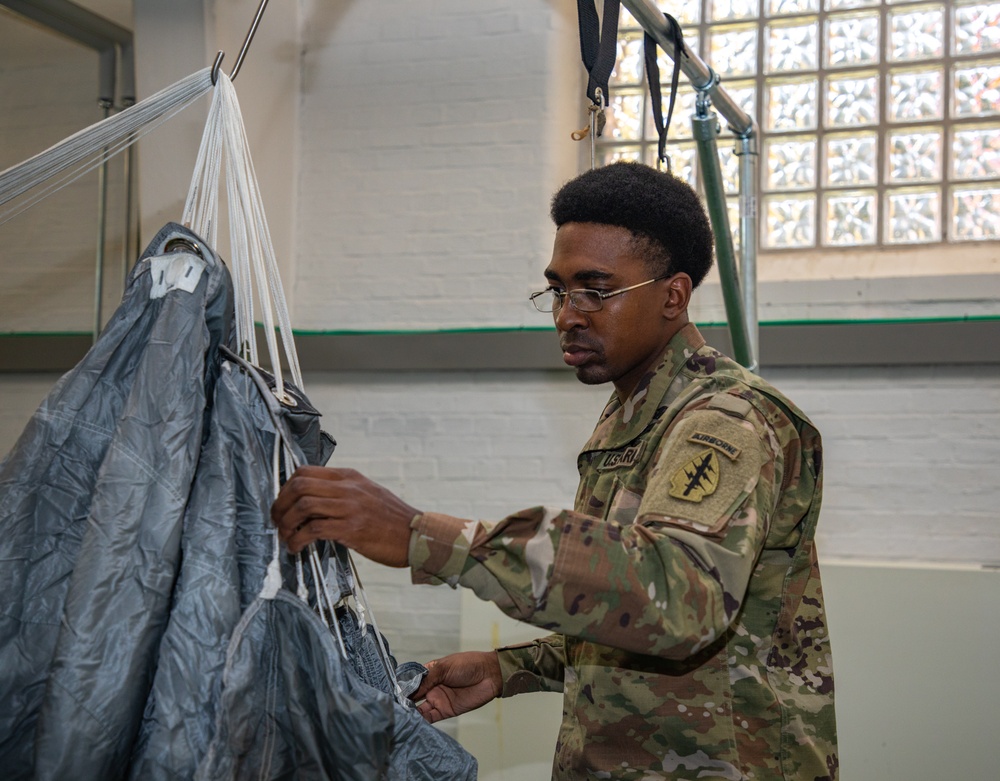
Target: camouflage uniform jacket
(684, 589)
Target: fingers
(308, 520)
(458, 683)
(433, 678)
(308, 482)
(439, 704)
(312, 505)
(311, 531)
(430, 713)
(344, 506)
(431, 696)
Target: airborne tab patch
(697, 479)
(713, 441)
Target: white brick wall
(429, 159)
(911, 457)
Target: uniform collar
(620, 423)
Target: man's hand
(319, 503)
(458, 683)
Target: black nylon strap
(653, 77)
(598, 45)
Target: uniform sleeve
(668, 584)
(536, 666)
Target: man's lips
(576, 354)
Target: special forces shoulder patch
(713, 462)
(697, 479)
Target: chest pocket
(612, 485)
(624, 505)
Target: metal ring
(180, 244)
(285, 398)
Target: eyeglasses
(582, 300)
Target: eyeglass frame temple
(598, 293)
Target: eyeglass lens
(582, 300)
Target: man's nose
(568, 316)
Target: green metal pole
(705, 128)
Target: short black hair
(662, 212)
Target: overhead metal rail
(740, 299)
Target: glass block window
(879, 119)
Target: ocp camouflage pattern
(683, 592)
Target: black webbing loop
(653, 77)
(598, 46)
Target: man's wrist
(439, 548)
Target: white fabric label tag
(176, 271)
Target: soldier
(683, 589)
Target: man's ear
(678, 296)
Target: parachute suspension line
(253, 263)
(87, 149)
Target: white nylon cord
(362, 599)
(272, 580)
(253, 263)
(300, 578)
(87, 149)
(254, 267)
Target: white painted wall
(49, 90)
(911, 456)
(434, 133)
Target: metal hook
(215, 67)
(243, 51)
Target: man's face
(625, 339)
